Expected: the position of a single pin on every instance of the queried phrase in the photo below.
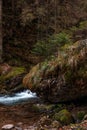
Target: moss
(58, 107)
(14, 72)
(65, 47)
(64, 117)
(82, 25)
(41, 70)
(68, 76)
(73, 28)
(82, 70)
(68, 71)
(42, 107)
(80, 115)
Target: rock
(85, 121)
(80, 34)
(45, 120)
(79, 126)
(64, 117)
(63, 78)
(31, 128)
(85, 117)
(18, 128)
(5, 68)
(56, 124)
(11, 80)
(8, 127)
(42, 107)
(19, 124)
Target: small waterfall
(17, 97)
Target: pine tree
(0, 31)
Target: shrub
(50, 46)
(60, 39)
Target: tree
(0, 31)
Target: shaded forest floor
(21, 114)
(25, 116)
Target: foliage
(80, 115)
(51, 45)
(25, 19)
(60, 39)
(82, 25)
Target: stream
(17, 107)
(17, 98)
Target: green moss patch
(13, 73)
(64, 116)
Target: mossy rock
(42, 107)
(62, 78)
(64, 116)
(11, 81)
(13, 73)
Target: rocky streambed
(18, 115)
(43, 116)
(25, 111)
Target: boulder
(64, 116)
(11, 78)
(5, 68)
(63, 78)
(8, 127)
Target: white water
(16, 98)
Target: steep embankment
(26, 21)
(63, 78)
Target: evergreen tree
(0, 31)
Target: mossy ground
(11, 81)
(12, 73)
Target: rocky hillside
(63, 78)
(25, 22)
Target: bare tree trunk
(0, 31)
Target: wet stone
(31, 128)
(18, 128)
(55, 124)
(8, 127)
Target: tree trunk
(0, 31)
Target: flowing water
(19, 97)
